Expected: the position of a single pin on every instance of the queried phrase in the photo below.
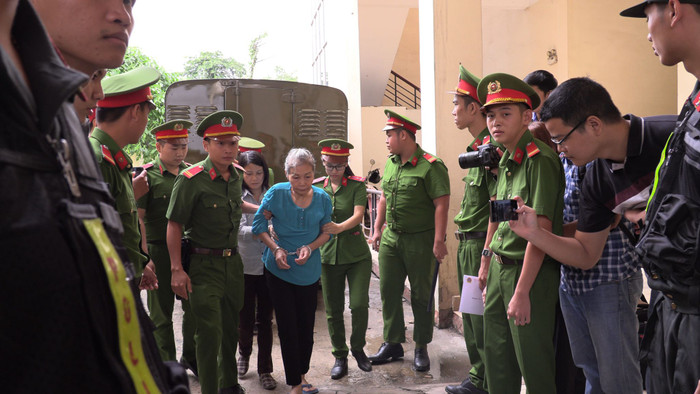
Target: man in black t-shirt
(586, 126)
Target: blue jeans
(603, 331)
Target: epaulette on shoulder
(238, 166)
(192, 171)
(532, 149)
(319, 179)
(107, 155)
(357, 178)
(147, 166)
(429, 157)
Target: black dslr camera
(484, 156)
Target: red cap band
(123, 100)
(169, 134)
(504, 96)
(398, 122)
(326, 150)
(242, 149)
(218, 130)
(465, 88)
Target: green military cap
(501, 88)
(177, 128)
(396, 121)
(335, 147)
(220, 123)
(129, 88)
(638, 10)
(467, 83)
(247, 143)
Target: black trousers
(257, 310)
(295, 309)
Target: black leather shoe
(237, 389)
(387, 352)
(362, 360)
(466, 387)
(421, 361)
(191, 365)
(340, 368)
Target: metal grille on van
(311, 122)
(202, 111)
(177, 112)
(336, 123)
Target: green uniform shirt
(479, 186)
(349, 246)
(156, 201)
(539, 180)
(410, 189)
(207, 206)
(115, 166)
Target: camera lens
(469, 160)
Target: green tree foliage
(283, 75)
(253, 52)
(211, 65)
(146, 148)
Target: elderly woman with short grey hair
(293, 263)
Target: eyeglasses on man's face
(336, 167)
(560, 141)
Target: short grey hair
(298, 156)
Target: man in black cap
(669, 243)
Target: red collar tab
(124, 100)
(518, 155)
(212, 173)
(497, 95)
(190, 172)
(414, 161)
(399, 122)
(107, 155)
(532, 149)
(696, 102)
(335, 150)
(345, 181)
(160, 167)
(121, 160)
(476, 143)
(486, 140)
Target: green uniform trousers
(160, 306)
(468, 263)
(333, 284)
(402, 255)
(216, 300)
(512, 351)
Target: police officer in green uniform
(414, 203)
(246, 144)
(122, 117)
(522, 284)
(171, 144)
(206, 202)
(472, 221)
(345, 257)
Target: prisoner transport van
(281, 114)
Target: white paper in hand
(471, 301)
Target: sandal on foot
(308, 389)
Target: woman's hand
(268, 215)
(281, 258)
(331, 228)
(303, 254)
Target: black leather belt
(506, 261)
(463, 236)
(214, 252)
